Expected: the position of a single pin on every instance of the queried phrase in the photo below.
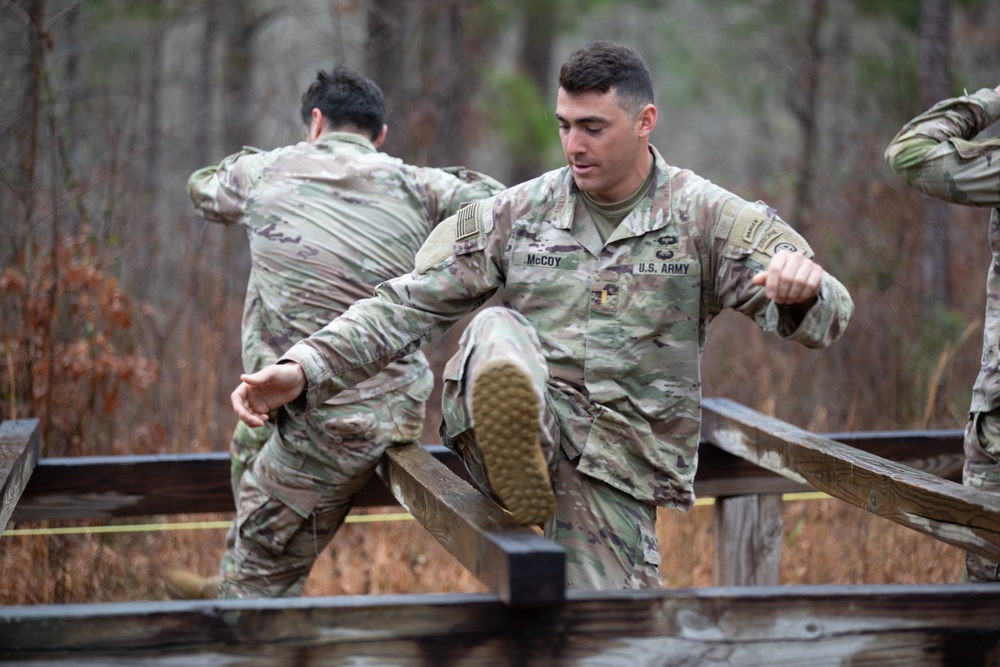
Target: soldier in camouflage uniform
(578, 404)
(938, 155)
(327, 220)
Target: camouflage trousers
(244, 446)
(294, 491)
(609, 537)
(982, 471)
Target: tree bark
(389, 25)
(808, 116)
(935, 23)
(539, 17)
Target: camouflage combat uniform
(611, 332)
(936, 153)
(326, 222)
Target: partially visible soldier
(578, 405)
(328, 219)
(937, 154)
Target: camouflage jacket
(327, 222)
(937, 154)
(622, 323)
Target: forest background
(120, 309)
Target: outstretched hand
(790, 278)
(265, 390)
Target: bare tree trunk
(807, 116)
(389, 24)
(935, 23)
(35, 11)
(539, 23)
(444, 101)
(152, 125)
(242, 22)
(74, 89)
(206, 83)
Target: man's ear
(316, 125)
(646, 120)
(381, 136)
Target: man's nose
(575, 143)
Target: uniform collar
(655, 211)
(348, 138)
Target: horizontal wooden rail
(961, 516)
(124, 486)
(822, 626)
(86, 487)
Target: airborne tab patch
(467, 222)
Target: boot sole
(191, 587)
(505, 409)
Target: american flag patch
(467, 222)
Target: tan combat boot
(505, 407)
(184, 585)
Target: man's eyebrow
(585, 119)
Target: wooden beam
(514, 562)
(889, 626)
(86, 487)
(20, 444)
(939, 452)
(961, 516)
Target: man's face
(605, 146)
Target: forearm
(369, 336)
(932, 151)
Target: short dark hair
(346, 98)
(605, 65)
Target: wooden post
(748, 533)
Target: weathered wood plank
(939, 452)
(20, 443)
(514, 562)
(961, 516)
(87, 487)
(748, 534)
(120, 486)
(889, 626)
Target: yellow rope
(192, 525)
(352, 518)
(805, 495)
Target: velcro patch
(467, 222)
(438, 247)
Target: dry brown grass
(825, 542)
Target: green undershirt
(607, 216)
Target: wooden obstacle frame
(747, 461)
